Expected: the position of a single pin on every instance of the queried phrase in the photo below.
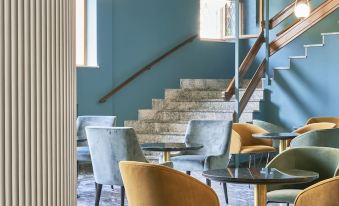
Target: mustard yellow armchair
(324, 193)
(334, 120)
(242, 141)
(315, 126)
(154, 185)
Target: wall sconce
(302, 8)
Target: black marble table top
(261, 176)
(81, 140)
(279, 136)
(162, 147)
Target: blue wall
(310, 87)
(131, 33)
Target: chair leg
(254, 160)
(122, 193)
(261, 156)
(208, 182)
(98, 193)
(224, 185)
(268, 158)
(78, 168)
(237, 161)
(249, 160)
(188, 172)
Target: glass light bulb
(302, 9)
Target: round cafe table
(167, 148)
(282, 137)
(261, 177)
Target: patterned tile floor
(239, 195)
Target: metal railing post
(267, 40)
(236, 64)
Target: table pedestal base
(282, 145)
(166, 157)
(260, 195)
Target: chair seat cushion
(284, 195)
(256, 149)
(189, 162)
(83, 154)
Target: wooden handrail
(288, 27)
(246, 63)
(145, 68)
(252, 86)
(303, 25)
(281, 16)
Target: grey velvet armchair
(83, 154)
(108, 146)
(215, 136)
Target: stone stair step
(210, 84)
(160, 104)
(142, 127)
(194, 95)
(170, 116)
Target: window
(217, 19)
(86, 33)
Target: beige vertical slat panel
(58, 128)
(49, 103)
(21, 103)
(43, 85)
(14, 101)
(37, 103)
(53, 117)
(38, 36)
(2, 104)
(27, 36)
(8, 108)
(33, 91)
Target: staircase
(196, 99)
(306, 54)
(307, 85)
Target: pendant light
(302, 8)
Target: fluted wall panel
(37, 103)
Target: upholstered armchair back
(323, 160)
(108, 146)
(318, 138)
(334, 120)
(214, 135)
(155, 185)
(85, 121)
(245, 132)
(315, 126)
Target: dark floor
(239, 195)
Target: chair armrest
(236, 143)
(217, 162)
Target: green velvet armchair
(323, 160)
(318, 138)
